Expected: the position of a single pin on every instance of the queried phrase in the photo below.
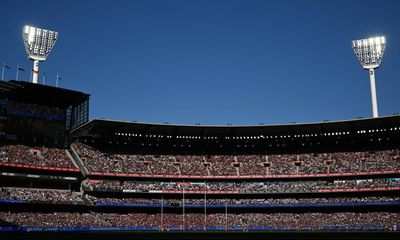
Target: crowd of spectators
(365, 161)
(314, 220)
(34, 110)
(388, 220)
(222, 165)
(55, 219)
(208, 200)
(190, 165)
(35, 156)
(54, 196)
(243, 187)
(243, 165)
(163, 165)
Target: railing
(40, 167)
(248, 205)
(210, 192)
(320, 175)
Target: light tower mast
(38, 44)
(370, 52)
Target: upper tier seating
(242, 165)
(35, 156)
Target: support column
(35, 71)
(373, 93)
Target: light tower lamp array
(38, 44)
(370, 52)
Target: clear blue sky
(213, 61)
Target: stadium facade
(61, 172)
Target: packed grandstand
(109, 175)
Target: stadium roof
(105, 127)
(40, 94)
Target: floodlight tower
(370, 52)
(38, 44)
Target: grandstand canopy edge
(40, 94)
(106, 127)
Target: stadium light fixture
(38, 44)
(370, 52)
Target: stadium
(67, 173)
(63, 173)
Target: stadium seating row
(55, 196)
(36, 156)
(39, 195)
(34, 110)
(221, 165)
(189, 165)
(387, 220)
(208, 200)
(243, 187)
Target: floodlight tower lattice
(38, 44)
(370, 52)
